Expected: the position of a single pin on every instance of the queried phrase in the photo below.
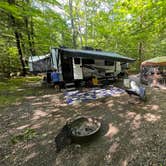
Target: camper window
(77, 61)
(88, 61)
(109, 63)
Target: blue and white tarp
(94, 93)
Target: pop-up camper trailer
(75, 65)
(38, 64)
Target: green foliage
(28, 134)
(133, 28)
(38, 27)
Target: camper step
(71, 89)
(70, 84)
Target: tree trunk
(79, 29)
(32, 37)
(140, 44)
(28, 35)
(86, 25)
(29, 30)
(17, 36)
(140, 52)
(72, 24)
(12, 21)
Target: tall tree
(72, 23)
(13, 22)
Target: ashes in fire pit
(85, 127)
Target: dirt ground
(131, 134)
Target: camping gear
(137, 91)
(95, 81)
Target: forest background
(31, 27)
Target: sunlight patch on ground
(3, 136)
(113, 148)
(151, 117)
(152, 107)
(30, 97)
(55, 110)
(110, 103)
(124, 163)
(130, 115)
(111, 131)
(47, 96)
(38, 114)
(40, 103)
(61, 121)
(22, 127)
(136, 122)
(93, 104)
(56, 100)
(155, 107)
(121, 102)
(30, 156)
(111, 151)
(38, 124)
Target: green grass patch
(28, 134)
(13, 90)
(8, 100)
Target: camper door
(77, 68)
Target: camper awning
(158, 61)
(95, 54)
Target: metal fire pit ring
(91, 127)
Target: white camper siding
(30, 67)
(59, 67)
(118, 68)
(77, 69)
(56, 62)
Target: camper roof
(38, 58)
(95, 54)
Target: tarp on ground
(74, 97)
